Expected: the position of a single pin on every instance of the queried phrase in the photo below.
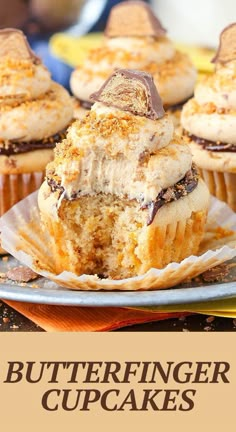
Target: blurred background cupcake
(135, 39)
(209, 122)
(34, 114)
(198, 25)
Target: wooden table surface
(12, 321)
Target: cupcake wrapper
(221, 185)
(15, 187)
(179, 239)
(165, 244)
(32, 246)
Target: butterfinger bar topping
(133, 18)
(227, 48)
(13, 44)
(132, 91)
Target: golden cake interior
(109, 236)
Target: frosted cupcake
(209, 122)
(34, 114)
(135, 39)
(122, 195)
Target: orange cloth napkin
(85, 319)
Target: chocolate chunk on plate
(21, 274)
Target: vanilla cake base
(109, 236)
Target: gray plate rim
(56, 295)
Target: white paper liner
(15, 187)
(31, 245)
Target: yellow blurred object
(222, 308)
(73, 50)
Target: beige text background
(20, 404)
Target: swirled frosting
(211, 114)
(117, 152)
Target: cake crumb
(207, 328)
(5, 258)
(210, 319)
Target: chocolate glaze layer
(173, 193)
(216, 146)
(9, 148)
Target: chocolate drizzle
(9, 148)
(54, 186)
(173, 193)
(85, 104)
(216, 146)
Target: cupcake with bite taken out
(34, 115)
(209, 122)
(122, 195)
(135, 39)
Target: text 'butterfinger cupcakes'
(135, 39)
(34, 114)
(209, 122)
(122, 195)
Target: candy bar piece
(133, 18)
(132, 91)
(13, 44)
(227, 47)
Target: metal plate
(46, 292)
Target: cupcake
(209, 122)
(135, 39)
(122, 194)
(34, 114)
